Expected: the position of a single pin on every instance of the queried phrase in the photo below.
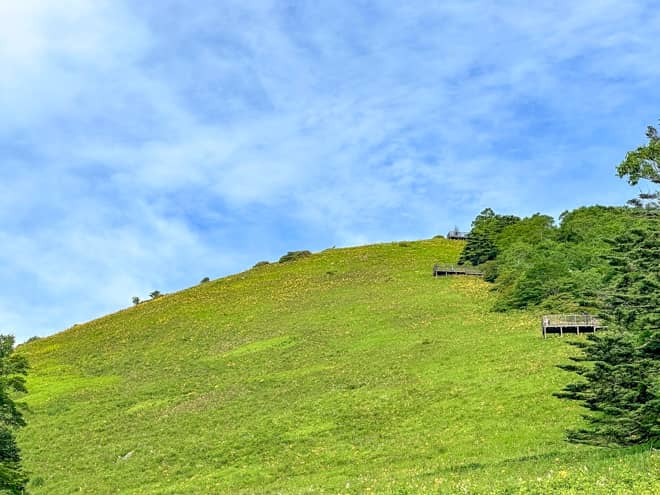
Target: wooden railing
(571, 321)
(561, 324)
(446, 269)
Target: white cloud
(52, 52)
(145, 139)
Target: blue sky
(146, 145)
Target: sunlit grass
(351, 371)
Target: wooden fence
(441, 270)
(560, 324)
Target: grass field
(352, 371)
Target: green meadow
(352, 371)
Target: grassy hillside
(351, 371)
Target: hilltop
(348, 371)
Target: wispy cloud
(146, 145)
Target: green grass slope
(351, 371)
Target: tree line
(596, 259)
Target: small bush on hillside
(294, 255)
(404, 244)
(261, 263)
(204, 280)
(32, 339)
(439, 236)
(155, 294)
(136, 300)
(490, 270)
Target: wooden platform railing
(560, 324)
(440, 270)
(571, 320)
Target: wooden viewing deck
(444, 270)
(561, 324)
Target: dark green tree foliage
(621, 369)
(533, 230)
(600, 259)
(618, 390)
(481, 244)
(561, 268)
(541, 272)
(515, 240)
(533, 266)
(592, 226)
(13, 368)
(633, 301)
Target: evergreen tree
(481, 244)
(621, 385)
(13, 368)
(621, 370)
(634, 299)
